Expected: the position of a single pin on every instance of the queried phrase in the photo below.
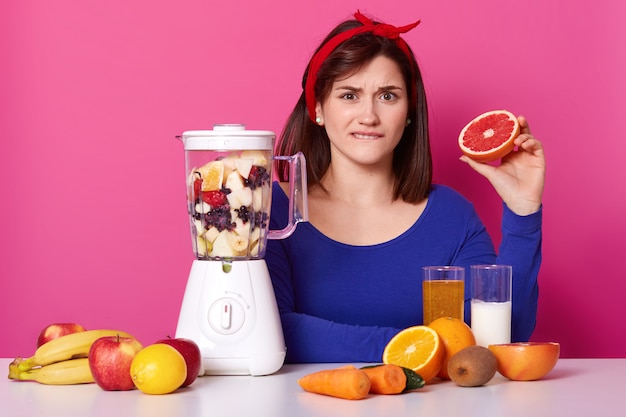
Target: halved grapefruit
(489, 136)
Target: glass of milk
(491, 303)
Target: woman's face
(365, 113)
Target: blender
(229, 308)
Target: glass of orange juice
(443, 291)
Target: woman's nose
(368, 114)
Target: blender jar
(229, 186)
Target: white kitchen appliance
(229, 308)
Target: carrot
(348, 383)
(386, 379)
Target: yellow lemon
(158, 369)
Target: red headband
(379, 29)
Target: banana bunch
(72, 371)
(61, 361)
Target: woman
(350, 279)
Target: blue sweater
(343, 303)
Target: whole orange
(455, 336)
(526, 361)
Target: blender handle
(298, 196)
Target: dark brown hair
(412, 161)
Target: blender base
(233, 317)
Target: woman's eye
(348, 96)
(388, 96)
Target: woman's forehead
(380, 71)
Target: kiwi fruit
(472, 367)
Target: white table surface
(575, 387)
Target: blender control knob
(226, 315)
(227, 312)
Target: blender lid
(228, 137)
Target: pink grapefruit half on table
(489, 136)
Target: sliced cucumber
(413, 379)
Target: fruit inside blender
(229, 198)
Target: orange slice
(418, 348)
(212, 175)
(489, 136)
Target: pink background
(93, 224)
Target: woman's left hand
(519, 179)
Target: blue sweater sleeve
(521, 248)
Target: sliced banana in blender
(238, 243)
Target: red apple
(191, 353)
(109, 360)
(56, 330)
